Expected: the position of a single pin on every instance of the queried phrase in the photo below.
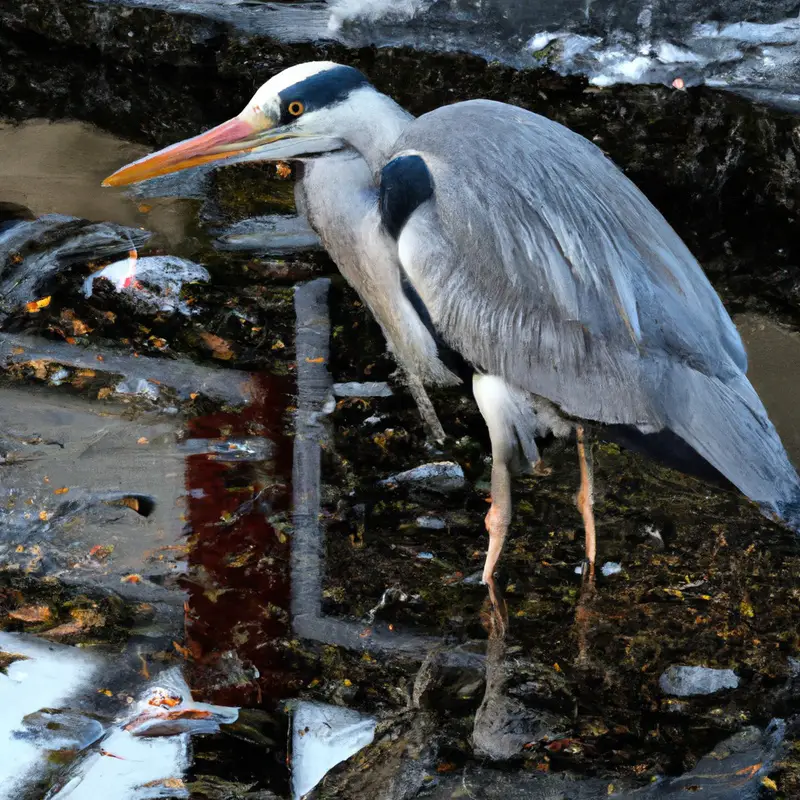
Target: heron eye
(296, 108)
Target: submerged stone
(684, 681)
(439, 476)
(367, 389)
(53, 729)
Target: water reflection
(57, 167)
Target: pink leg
(585, 499)
(499, 516)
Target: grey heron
(499, 249)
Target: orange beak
(235, 137)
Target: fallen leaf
(283, 170)
(30, 614)
(182, 650)
(133, 578)
(88, 618)
(35, 306)
(144, 671)
(319, 360)
(101, 551)
(106, 692)
(104, 392)
(144, 208)
(142, 440)
(162, 698)
(39, 368)
(768, 783)
(67, 629)
(44, 516)
(110, 755)
(219, 347)
(62, 490)
(167, 783)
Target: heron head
(302, 111)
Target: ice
(322, 737)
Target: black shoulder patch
(406, 183)
(453, 360)
(326, 88)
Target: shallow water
(224, 512)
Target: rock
(53, 729)
(611, 568)
(684, 681)
(431, 523)
(366, 389)
(439, 476)
(164, 275)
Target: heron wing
(540, 261)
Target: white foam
(373, 11)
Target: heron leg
(585, 499)
(499, 516)
(425, 407)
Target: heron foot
(540, 469)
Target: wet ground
(190, 480)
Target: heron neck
(379, 127)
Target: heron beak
(236, 137)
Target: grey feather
(338, 195)
(548, 267)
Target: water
(750, 48)
(224, 513)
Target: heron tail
(726, 423)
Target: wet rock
(139, 386)
(367, 389)
(59, 729)
(431, 523)
(733, 769)
(439, 476)
(271, 235)
(684, 681)
(154, 282)
(250, 448)
(31, 253)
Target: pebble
(685, 681)
(611, 568)
(432, 523)
(439, 476)
(138, 386)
